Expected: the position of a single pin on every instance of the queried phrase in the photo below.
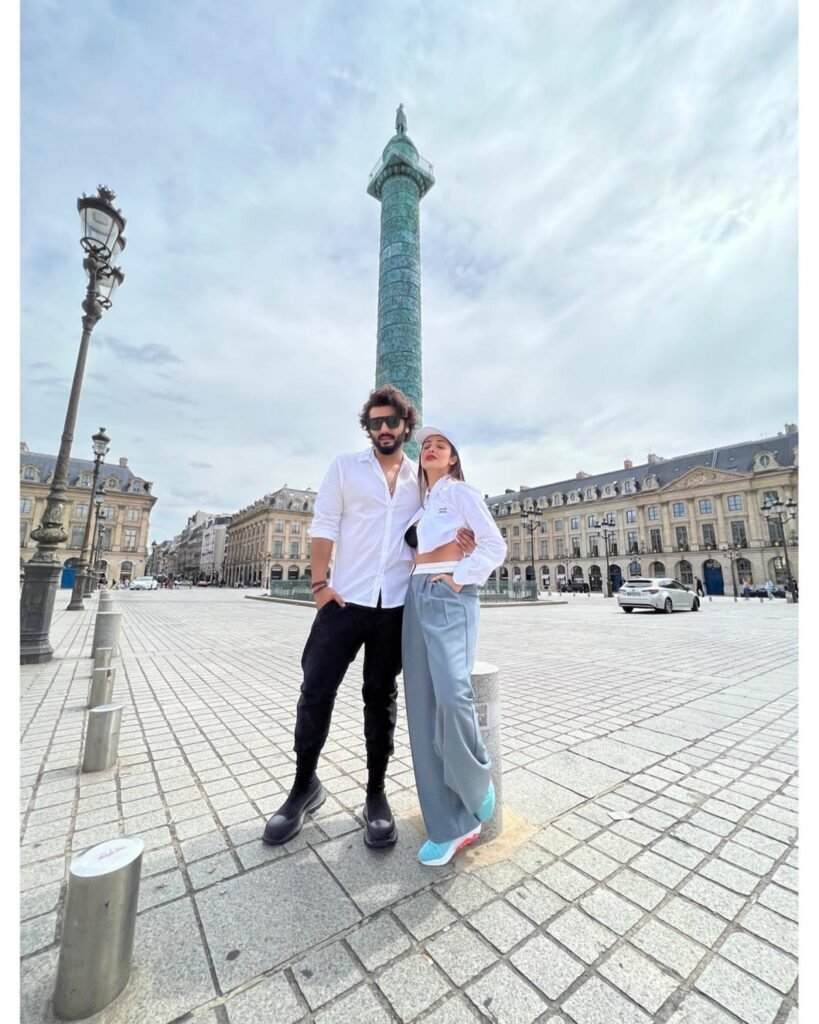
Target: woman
(452, 770)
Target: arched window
(112, 483)
(744, 570)
(634, 569)
(30, 473)
(657, 569)
(685, 573)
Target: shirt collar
(368, 455)
(437, 487)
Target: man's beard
(390, 449)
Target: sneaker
(487, 808)
(434, 854)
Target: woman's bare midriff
(450, 552)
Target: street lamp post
(102, 241)
(530, 520)
(100, 443)
(99, 526)
(732, 553)
(605, 528)
(782, 513)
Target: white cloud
(614, 218)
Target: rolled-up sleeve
(329, 505)
(491, 547)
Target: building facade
(691, 517)
(126, 503)
(214, 533)
(269, 539)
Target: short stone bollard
(102, 737)
(97, 941)
(102, 686)
(486, 687)
(102, 657)
(106, 630)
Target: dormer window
(649, 482)
(628, 487)
(85, 479)
(591, 493)
(112, 483)
(29, 473)
(557, 498)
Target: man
(769, 587)
(364, 505)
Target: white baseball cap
(426, 432)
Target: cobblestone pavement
(650, 872)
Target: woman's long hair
(456, 471)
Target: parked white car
(144, 583)
(659, 595)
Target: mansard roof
(734, 458)
(46, 464)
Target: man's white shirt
(354, 508)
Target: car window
(638, 583)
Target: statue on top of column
(400, 120)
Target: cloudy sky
(608, 254)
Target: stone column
(400, 179)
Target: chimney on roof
(790, 428)
(123, 461)
(580, 475)
(653, 459)
(23, 446)
(523, 487)
(628, 464)
(508, 490)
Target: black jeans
(335, 640)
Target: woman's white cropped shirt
(449, 506)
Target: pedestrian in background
(769, 587)
(699, 587)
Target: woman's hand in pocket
(448, 580)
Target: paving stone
(713, 897)
(554, 840)
(648, 739)
(619, 755)
(668, 947)
(611, 910)
(315, 908)
(505, 998)
(535, 900)
(549, 967)
(361, 1005)
(501, 924)
(160, 889)
(325, 973)
(664, 871)
(697, 837)
(711, 823)
(787, 877)
(637, 888)
(692, 920)
(37, 932)
(460, 953)
(411, 985)
(579, 933)
(531, 857)
(580, 774)
(781, 901)
(615, 846)
(271, 1001)
(729, 876)
(423, 915)
(536, 799)
(501, 876)
(682, 854)
(696, 1010)
(761, 844)
(749, 999)
(592, 861)
(638, 977)
(378, 941)
(577, 826)
(776, 929)
(596, 1002)
(635, 832)
(377, 878)
(759, 959)
(565, 880)
(465, 892)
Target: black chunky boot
(381, 828)
(307, 795)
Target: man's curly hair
(387, 394)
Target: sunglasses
(374, 422)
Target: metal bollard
(486, 687)
(102, 737)
(102, 657)
(97, 941)
(102, 686)
(106, 630)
